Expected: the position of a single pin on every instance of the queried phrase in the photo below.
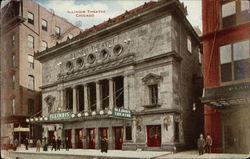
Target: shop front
(231, 132)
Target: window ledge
(151, 105)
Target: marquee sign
(118, 112)
(60, 115)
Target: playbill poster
(121, 79)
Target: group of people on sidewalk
(204, 145)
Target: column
(73, 138)
(74, 100)
(98, 97)
(63, 99)
(110, 138)
(86, 101)
(97, 138)
(126, 93)
(111, 93)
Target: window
(13, 102)
(31, 106)
(44, 45)
(13, 60)
(30, 61)
(234, 12)
(153, 94)
(30, 41)
(235, 61)
(13, 81)
(200, 56)
(176, 131)
(128, 133)
(44, 25)
(3, 46)
(31, 82)
(189, 44)
(58, 31)
(30, 18)
(12, 41)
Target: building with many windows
(26, 27)
(134, 80)
(227, 74)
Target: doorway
(68, 133)
(103, 134)
(78, 138)
(118, 137)
(154, 136)
(91, 138)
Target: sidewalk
(194, 154)
(84, 153)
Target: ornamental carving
(151, 79)
(49, 101)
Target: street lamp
(109, 112)
(79, 115)
(86, 114)
(101, 112)
(27, 120)
(93, 113)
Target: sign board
(59, 115)
(118, 112)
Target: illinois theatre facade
(131, 80)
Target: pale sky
(112, 8)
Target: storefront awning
(230, 95)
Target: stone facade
(148, 48)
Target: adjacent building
(134, 80)
(227, 74)
(26, 27)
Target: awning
(230, 95)
(21, 129)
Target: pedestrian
(45, 144)
(53, 144)
(38, 145)
(15, 144)
(26, 143)
(209, 142)
(104, 146)
(58, 142)
(67, 143)
(201, 144)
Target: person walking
(53, 144)
(67, 143)
(104, 146)
(38, 145)
(26, 143)
(201, 144)
(58, 142)
(15, 144)
(45, 144)
(209, 142)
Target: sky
(109, 9)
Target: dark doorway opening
(92, 96)
(80, 98)
(69, 98)
(91, 138)
(119, 91)
(104, 94)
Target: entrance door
(91, 138)
(51, 135)
(103, 134)
(78, 138)
(68, 133)
(154, 135)
(118, 138)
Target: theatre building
(134, 79)
(227, 74)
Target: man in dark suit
(58, 142)
(53, 144)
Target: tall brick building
(133, 80)
(227, 74)
(26, 27)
